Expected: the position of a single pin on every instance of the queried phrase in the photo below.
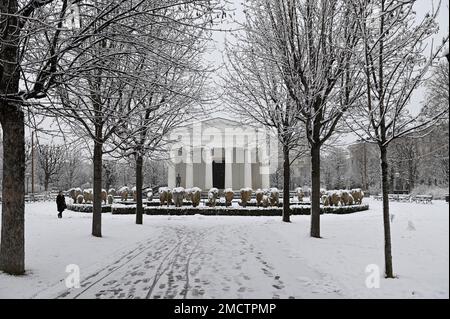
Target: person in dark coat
(60, 203)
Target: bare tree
(312, 44)
(394, 66)
(438, 90)
(335, 168)
(405, 159)
(176, 81)
(42, 46)
(72, 168)
(99, 94)
(24, 25)
(51, 162)
(255, 91)
(155, 172)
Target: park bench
(393, 197)
(404, 198)
(425, 199)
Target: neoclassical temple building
(219, 153)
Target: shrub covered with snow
(300, 194)
(73, 193)
(265, 201)
(246, 195)
(213, 195)
(259, 196)
(133, 193)
(229, 195)
(346, 198)
(88, 195)
(80, 199)
(358, 195)
(123, 193)
(104, 195)
(110, 199)
(325, 200)
(178, 196)
(196, 194)
(274, 196)
(112, 191)
(334, 197)
(165, 195)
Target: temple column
(265, 179)
(189, 169)
(229, 168)
(248, 169)
(189, 175)
(171, 175)
(208, 169)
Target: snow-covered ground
(234, 257)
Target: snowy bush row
(342, 197)
(80, 196)
(177, 196)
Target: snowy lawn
(234, 257)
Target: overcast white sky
(422, 7)
(215, 55)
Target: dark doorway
(219, 175)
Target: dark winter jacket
(61, 203)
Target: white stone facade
(219, 153)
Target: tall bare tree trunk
(139, 208)
(46, 182)
(315, 191)
(286, 185)
(12, 242)
(12, 245)
(97, 205)
(386, 219)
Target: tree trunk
(286, 185)
(12, 245)
(46, 182)
(386, 219)
(315, 191)
(97, 209)
(411, 177)
(139, 208)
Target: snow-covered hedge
(124, 210)
(251, 211)
(223, 211)
(87, 208)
